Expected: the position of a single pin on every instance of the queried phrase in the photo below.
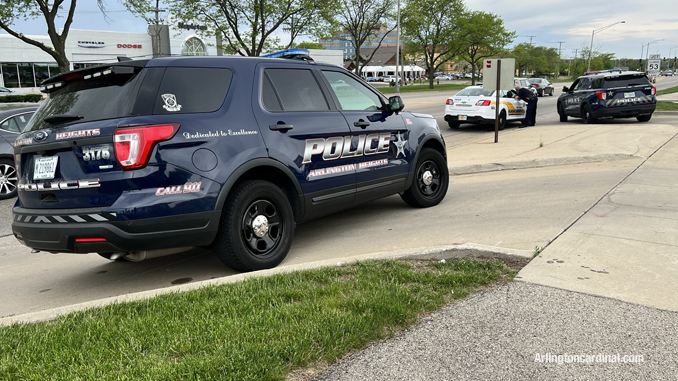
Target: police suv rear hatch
(627, 89)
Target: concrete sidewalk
(608, 284)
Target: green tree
(521, 53)
(362, 21)
(484, 35)
(433, 29)
(248, 26)
(12, 10)
(309, 45)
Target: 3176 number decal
(95, 153)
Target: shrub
(21, 98)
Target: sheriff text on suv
(224, 152)
(608, 95)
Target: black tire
(586, 116)
(644, 118)
(431, 168)
(8, 179)
(551, 93)
(502, 122)
(454, 124)
(238, 245)
(561, 113)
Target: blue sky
(571, 21)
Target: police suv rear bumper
(89, 230)
(624, 111)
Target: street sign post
(653, 65)
(498, 74)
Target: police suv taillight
(602, 95)
(654, 90)
(450, 102)
(133, 145)
(486, 102)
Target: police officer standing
(531, 99)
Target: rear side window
(626, 81)
(189, 90)
(147, 91)
(293, 89)
(597, 83)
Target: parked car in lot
(444, 77)
(608, 95)
(525, 83)
(5, 91)
(542, 85)
(476, 105)
(228, 153)
(12, 123)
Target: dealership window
(26, 78)
(10, 75)
(193, 46)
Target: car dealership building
(24, 66)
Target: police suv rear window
(474, 92)
(626, 81)
(144, 92)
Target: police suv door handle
(361, 123)
(280, 127)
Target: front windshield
(474, 92)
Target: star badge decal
(400, 145)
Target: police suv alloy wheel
(256, 228)
(431, 179)
(8, 179)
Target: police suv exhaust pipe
(138, 256)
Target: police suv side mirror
(395, 104)
(565, 89)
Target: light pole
(647, 53)
(669, 63)
(593, 34)
(396, 88)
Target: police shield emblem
(170, 102)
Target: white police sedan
(477, 106)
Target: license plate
(462, 117)
(45, 167)
(630, 95)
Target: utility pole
(156, 29)
(558, 64)
(575, 60)
(527, 67)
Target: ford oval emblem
(40, 136)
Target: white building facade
(24, 66)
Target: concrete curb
(468, 250)
(537, 163)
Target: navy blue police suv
(609, 94)
(223, 152)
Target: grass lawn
(413, 88)
(259, 329)
(670, 90)
(666, 106)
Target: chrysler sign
(91, 44)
